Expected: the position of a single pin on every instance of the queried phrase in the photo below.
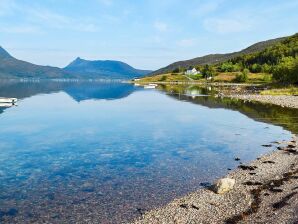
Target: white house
(192, 72)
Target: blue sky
(147, 34)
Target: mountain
(218, 58)
(104, 69)
(11, 67)
(4, 53)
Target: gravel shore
(266, 191)
(284, 101)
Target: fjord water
(107, 152)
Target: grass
(290, 90)
(225, 77)
(252, 77)
(169, 77)
(221, 77)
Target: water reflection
(285, 117)
(78, 90)
(64, 159)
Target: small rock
(237, 159)
(291, 146)
(244, 167)
(224, 185)
(267, 145)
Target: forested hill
(217, 58)
(280, 59)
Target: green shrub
(163, 78)
(176, 70)
(286, 71)
(267, 78)
(256, 68)
(242, 77)
(196, 77)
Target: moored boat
(150, 86)
(8, 100)
(6, 105)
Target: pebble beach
(266, 191)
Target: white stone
(224, 185)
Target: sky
(146, 34)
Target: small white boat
(6, 105)
(8, 100)
(150, 86)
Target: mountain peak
(104, 69)
(4, 53)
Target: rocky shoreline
(283, 100)
(266, 191)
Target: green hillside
(280, 59)
(217, 58)
(274, 60)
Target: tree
(208, 71)
(227, 67)
(242, 77)
(163, 78)
(176, 70)
(266, 68)
(256, 68)
(287, 70)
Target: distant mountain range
(11, 68)
(217, 58)
(102, 69)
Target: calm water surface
(106, 152)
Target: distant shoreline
(283, 100)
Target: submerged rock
(224, 185)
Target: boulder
(223, 185)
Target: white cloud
(224, 25)
(58, 21)
(186, 42)
(160, 26)
(20, 29)
(39, 15)
(85, 27)
(37, 19)
(106, 2)
(206, 8)
(6, 7)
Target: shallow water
(107, 152)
